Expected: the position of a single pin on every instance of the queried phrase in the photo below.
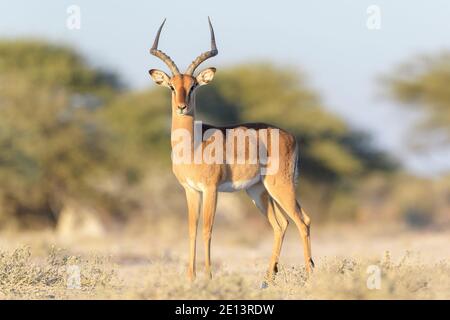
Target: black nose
(182, 107)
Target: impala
(272, 191)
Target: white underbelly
(232, 186)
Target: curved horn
(206, 55)
(164, 57)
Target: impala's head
(183, 85)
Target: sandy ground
(152, 265)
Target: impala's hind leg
(279, 233)
(283, 193)
(277, 220)
(307, 221)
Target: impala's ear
(206, 76)
(160, 77)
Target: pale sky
(328, 40)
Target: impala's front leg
(193, 200)
(209, 210)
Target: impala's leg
(307, 221)
(193, 200)
(283, 223)
(276, 219)
(209, 210)
(284, 195)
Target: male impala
(273, 193)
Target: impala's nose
(181, 108)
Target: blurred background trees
(73, 137)
(52, 146)
(423, 84)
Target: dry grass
(25, 277)
(333, 279)
(138, 267)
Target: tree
(50, 141)
(423, 84)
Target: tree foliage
(423, 83)
(49, 138)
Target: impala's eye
(171, 87)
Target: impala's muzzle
(182, 108)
